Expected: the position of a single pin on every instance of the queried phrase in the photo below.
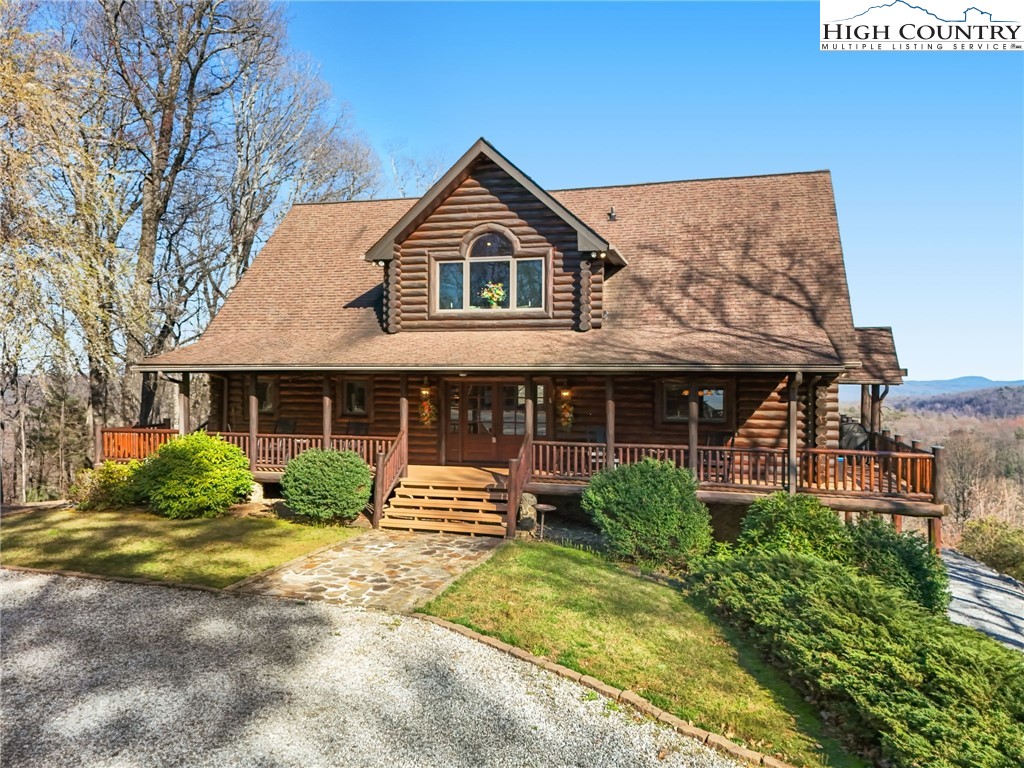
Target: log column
(938, 496)
(531, 406)
(791, 430)
(184, 391)
(865, 406)
(609, 420)
(254, 421)
(403, 416)
(327, 397)
(694, 417)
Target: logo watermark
(921, 25)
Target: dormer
(486, 247)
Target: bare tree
(411, 177)
(969, 462)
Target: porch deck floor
(427, 473)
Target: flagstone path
(389, 570)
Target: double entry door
(484, 421)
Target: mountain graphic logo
(903, 5)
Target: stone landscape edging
(642, 705)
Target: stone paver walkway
(389, 570)
(985, 599)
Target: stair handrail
(391, 467)
(520, 469)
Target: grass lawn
(585, 613)
(215, 552)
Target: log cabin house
(493, 337)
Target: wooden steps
(473, 506)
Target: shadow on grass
(213, 552)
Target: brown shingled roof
(879, 364)
(723, 273)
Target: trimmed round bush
(196, 475)
(798, 523)
(111, 484)
(901, 560)
(649, 512)
(327, 485)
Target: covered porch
(518, 425)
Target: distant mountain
(930, 388)
(992, 403)
(912, 388)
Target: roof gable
(587, 238)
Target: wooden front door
(485, 421)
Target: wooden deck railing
(519, 471)
(567, 461)
(867, 473)
(273, 451)
(748, 467)
(631, 453)
(123, 444)
(391, 467)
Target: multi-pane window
(354, 398)
(490, 278)
(265, 395)
(676, 402)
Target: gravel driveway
(985, 599)
(107, 674)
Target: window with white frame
(490, 277)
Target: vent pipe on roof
(611, 214)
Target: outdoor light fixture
(566, 394)
(424, 391)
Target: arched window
(491, 278)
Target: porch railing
(519, 470)
(273, 451)
(123, 444)
(391, 467)
(879, 474)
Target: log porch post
(328, 410)
(795, 380)
(403, 417)
(938, 496)
(694, 416)
(184, 390)
(609, 418)
(865, 406)
(254, 421)
(531, 405)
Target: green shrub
(196, 475)
(799, 523)
(649, 512)
(327, 485)
(996, 543)
(906, 687)
(111, 484)
(901, 560)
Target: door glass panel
(513, 409)
(454, 404)
(449, 292)
(483, 272)
(479, 410)
(530, 283)
(542, 411)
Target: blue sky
(926, 149)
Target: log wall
(760, 411)
(488, 195)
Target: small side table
(541, 509)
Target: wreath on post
(428, 411)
